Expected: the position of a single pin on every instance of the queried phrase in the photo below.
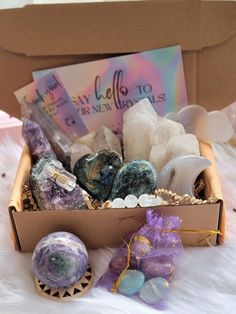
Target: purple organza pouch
(143, 267)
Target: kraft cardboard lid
(116, 27)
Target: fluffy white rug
(205, 281)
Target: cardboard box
(106, 227)
(45, 36)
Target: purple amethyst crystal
(60, 259)
(36, 140)
(48, 194)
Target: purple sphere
(158, 266)
(60, 259)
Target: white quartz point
(158, 156)
(139, 122)
(146, 200)
(118, 203)
(131, 201)
(105, 139)
(77, 151)
(186, 144)
(165, 130)
(87, 139)
(179, 174)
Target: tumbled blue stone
(132, 282)
(154, 291)
(96, 173)
(60, 259)
(36, 140)
(136, 177)
(48, 194)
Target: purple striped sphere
(60, 259)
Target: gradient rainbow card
(102, 90)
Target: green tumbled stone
(136, 177)
(131, 283)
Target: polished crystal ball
(60, 259)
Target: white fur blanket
(205, 281)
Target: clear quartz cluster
(103, 139)
(150, 137)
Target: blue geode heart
(96, 173)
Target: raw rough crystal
(106, 139)
(158, 156)
(36, 140)
(77, 151)
(87, 139)
(60, 259)
(165, 129)
(180, 145)
(136, 177)
(150, 137)
(139, 122)
(48, 194)
(96, 173)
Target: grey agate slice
(48, 194)
(36, 140)
(136, 177)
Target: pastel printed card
(102, 90)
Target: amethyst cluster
(60, 259)
(49, 195)
(52, 186)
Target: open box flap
(113, 27)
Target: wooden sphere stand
(66, 294)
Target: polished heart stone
(154, 291)
(158, 266)
(136, 177)
(60, 259)
(96, 173)
(131, 283)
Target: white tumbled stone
(131, 201)
(118, 203)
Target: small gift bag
(143, 267)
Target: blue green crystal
(136, 177)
